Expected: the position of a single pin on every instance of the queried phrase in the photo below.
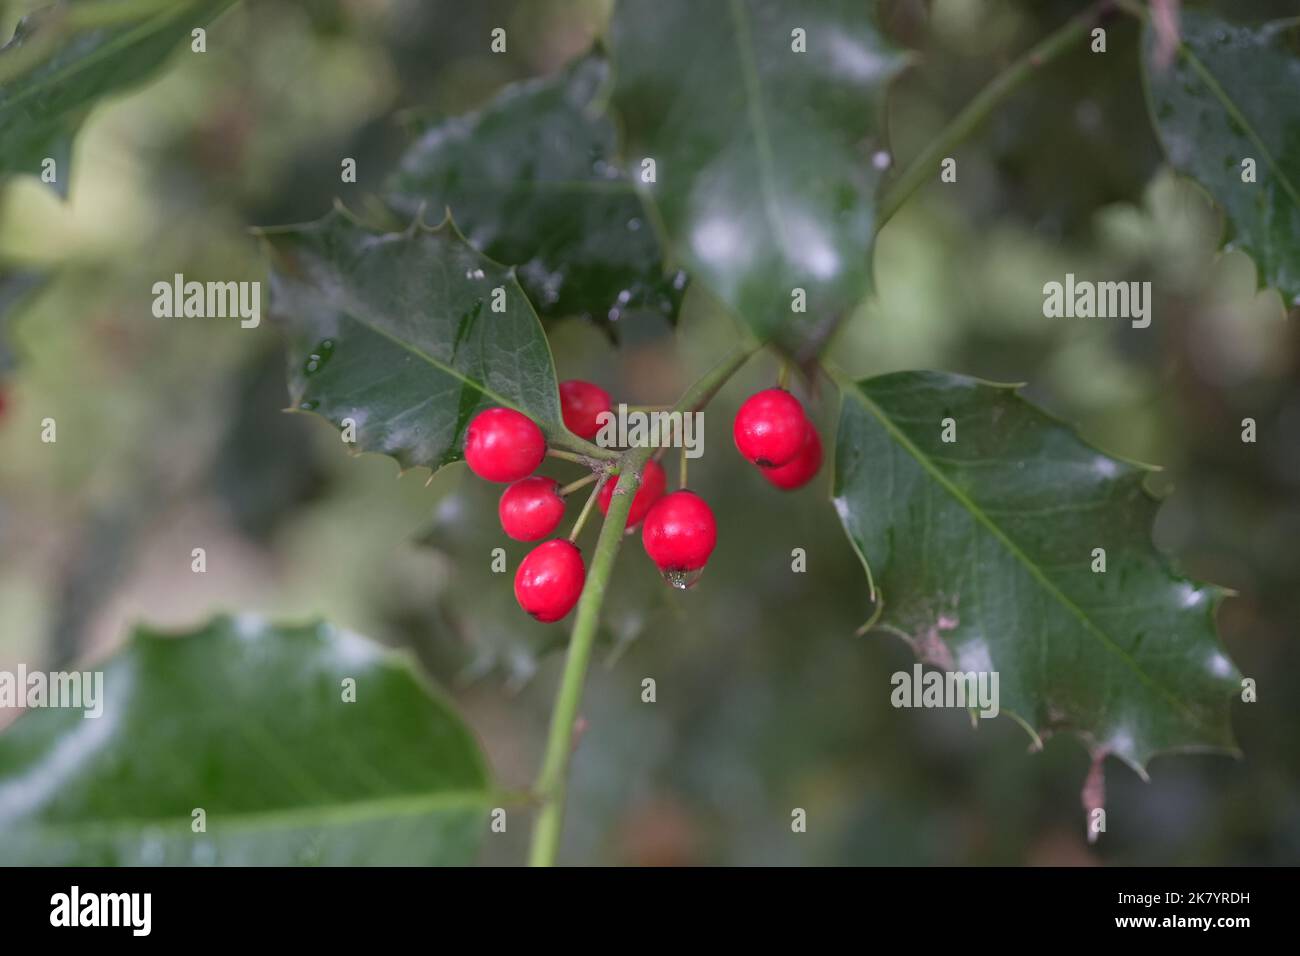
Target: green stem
(681, 473)
(586, 510)
(573, 486)
(552, 781)
(573, 457)
(582, 447)
(926, 166)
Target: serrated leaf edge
(1217, 593)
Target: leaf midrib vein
(340, 814)
(1060, 596)
(757, 121)
(1232, 109)
(438, 364)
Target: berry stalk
(552, 781)
(579, 449)
(586, 510)
(572, 456)
(573, 486)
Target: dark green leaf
(1233, 93)
(764, 157)
(531, 181)
(53, 71)
(396, 332)
(982, 550)
(247, 722)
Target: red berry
(769, 427)
(653, 484)
(580, 403)
(503, 445)
(549, 580)
(531, 508)
(801, 469)
(679, 532)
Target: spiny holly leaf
(247, 722)
(396, 333)
(59, 64)
(531, 181)
(1231, 95)
(764, 172)
(983, 550)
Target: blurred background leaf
(1226, 99)
(252, 724)
(61, 60)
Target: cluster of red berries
(772, 431)
(678, 531)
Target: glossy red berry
(653, 484)
(679, 532)
(580, 403)
(549, 580)
(800, 470)
(502, 444)
(531, 508)
(769, 427)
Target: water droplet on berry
(682, 580)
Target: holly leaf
(763, 156)
(396, 333)
(1230, 96)
(983, 552)
(61, 61)
(532, 181)
(249, 723)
